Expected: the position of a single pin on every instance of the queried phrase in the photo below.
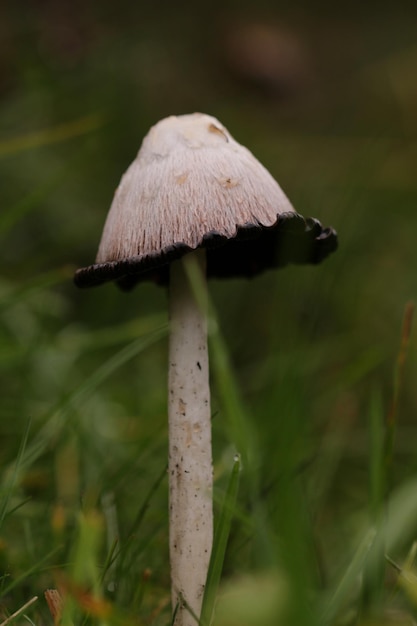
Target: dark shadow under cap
(254, 249)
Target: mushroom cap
(192, 185)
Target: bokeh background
(325, 95)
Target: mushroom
(192, 189)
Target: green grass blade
(36, 568)
(10, 297)
(374, 571)
(377, 478)
(401, 518)
(80, 341)
(111, 365)
(55, 422)
(344, 587)
(48, 136)
(12, 215)
(221, 537)
(148, 497)
(392, 417)
(14, 477)
(381, 458)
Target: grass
(313, 369)
(98, 582)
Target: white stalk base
(190, 463)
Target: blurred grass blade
(407, 578)
(381, 455)
(395, 531)
(36, 568)
(8, 490)
(55, 422)
(148, 497)
(374, 571)
(11, 215)
(377, 478)
(80, 341)
(111, 365)
(109, 565)
(221, 537)
(84, 569)
(401, 519)
(343, 589)
(11, 297)
(401, 357)
(392, 416)
(83, 585)
(56, 134)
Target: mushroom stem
(190, 460)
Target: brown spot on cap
(218, 131)
(181, 178)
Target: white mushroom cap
(192, 185)
(190, 178)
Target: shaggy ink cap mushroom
(193, 186)
(194, 189)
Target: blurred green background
(325, 95)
